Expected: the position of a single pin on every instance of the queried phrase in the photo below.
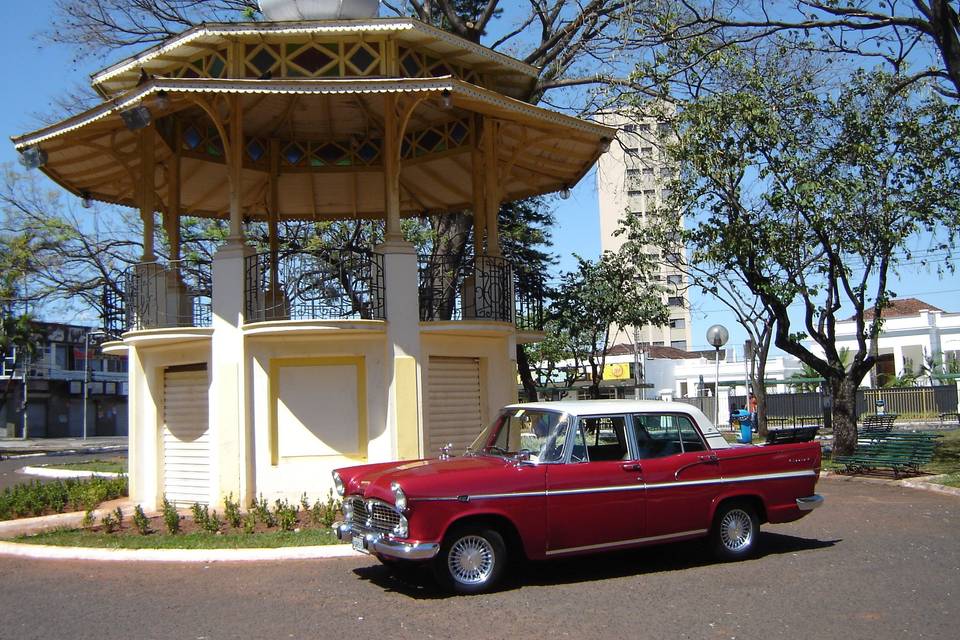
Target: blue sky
(37, 73)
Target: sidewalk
(14, 447)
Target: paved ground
(876, 562)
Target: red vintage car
(556, 479)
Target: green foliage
(171, 519)
(118, 514)
(250, 522)
(201, 514)
(231, 511)
(140, 521)
(325, 513)
(88, 519)
(213, 523)
(286, 515)
(109, 522)
(616, 290)
(35, 498)
(261, 508)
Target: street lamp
(717, 335)
(86, 374)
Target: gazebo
(294, 362)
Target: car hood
(453, 477)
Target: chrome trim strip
(625, 487)
(607, 545)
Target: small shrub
(171, 519)
(35, 498)
(262, 509)
(325, 513)
(109, 522)
(213, 523)
(286, 515)
(201, 514)
(304, 501)
(250, 523)
(141, 521)
(87, 519)
(231, 511)
(118, 514)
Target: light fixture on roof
(136, 118)
(33, 157)
(565, 193)
(446, 100)
(604, 145)
(85, 200)
(277, 10)
(162, 101)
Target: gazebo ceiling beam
(433, 175)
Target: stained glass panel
(312, 60)
(191, 138)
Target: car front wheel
(471, 560)
(735, 530)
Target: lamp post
(717, 335)
(86, 374)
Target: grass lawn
(193, 540)
(109, 466)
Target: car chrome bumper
(378, 543)
(810, 502)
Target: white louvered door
(186, 435)
(454, 414)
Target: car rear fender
(753, 499)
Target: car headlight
(338, 484)
(399, 497)
(402, 528)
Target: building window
(678, 323)
(629, 128)
(679, 344)
(630, 151)
(673, 258)
(633, 172)
(646, 152)
(675, 301)
(634, 193)
(664, 129)
(675, 279)
(648, 171)
(658, 343)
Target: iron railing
(328, 284)
(531, 290)
(479, 289)
(176, 294)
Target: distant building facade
(54, 387)
(630, 176)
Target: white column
(898, 360)
(404, 365)
(230, 422)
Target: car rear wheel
(735, 530)
(471, 560)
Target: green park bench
(879, 423)
(897, 451)
(952, 416)
(783, 435)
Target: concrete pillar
(402, 438)
(898, 360)
(723, 405)
(230, 423)
(142, 447)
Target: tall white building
(629, 178)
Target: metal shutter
(186, 435)
(454, 409)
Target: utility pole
(86, 374)
(24, 433)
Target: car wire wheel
(736, 530)
(471, 560)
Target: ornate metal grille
(481, 289)
(335, 284)
(177, 294)
(531, 291)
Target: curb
(922, 483)
(50, 552)
(11, 454)
(44, 472)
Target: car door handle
(709, 459)
(631, 466)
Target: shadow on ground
(417, 582)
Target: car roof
(594, 407)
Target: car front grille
(374, 515)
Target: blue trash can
(745, 420)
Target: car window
(605, 438)
(659, 435)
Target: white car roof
(593, 407)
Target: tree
(918, 40)
(812, 200)
(611, 291)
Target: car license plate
(360, 544)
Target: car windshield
(532, 434)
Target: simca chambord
(546, 480)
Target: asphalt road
(874, 562)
